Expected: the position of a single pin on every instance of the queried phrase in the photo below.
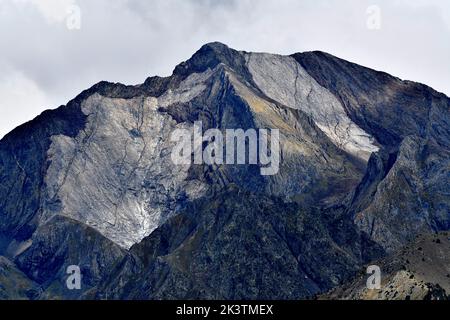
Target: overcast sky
(48, 55)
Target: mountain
(418, 271)
(364, 163)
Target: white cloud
(52, 10)
(20, 99)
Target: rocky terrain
(418, 271)
(364, 170)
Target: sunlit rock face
(116, 175)
(405, 190)
(283, 79)
(364, 161)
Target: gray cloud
(43, 64)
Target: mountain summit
(363, 171)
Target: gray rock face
(364, 169)
(61, 243)
(411, 199)
(285, 80)
(412, 123)
(14, 284)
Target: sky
(51, 50)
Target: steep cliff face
(238, 245)
(364, 162)
(412, 123)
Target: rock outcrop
(364, 162)
(419, 271)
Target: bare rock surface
(283, 79)
(364, 163)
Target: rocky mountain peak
(94, 180)
(208, 56)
